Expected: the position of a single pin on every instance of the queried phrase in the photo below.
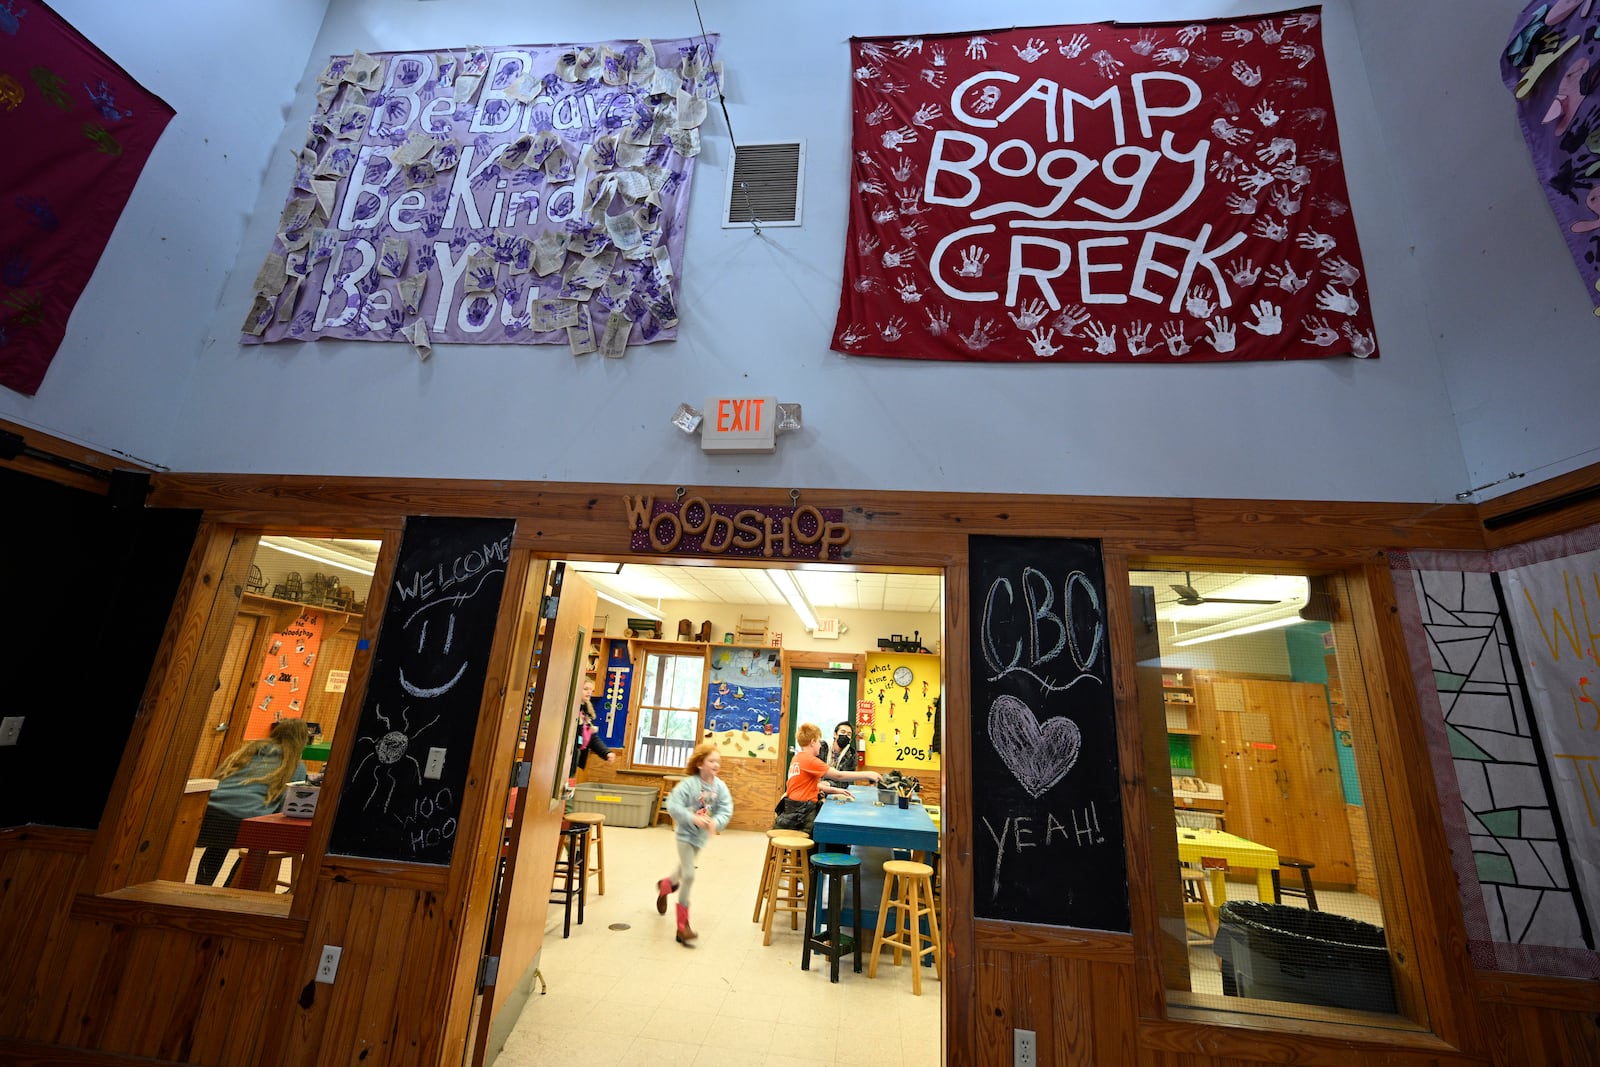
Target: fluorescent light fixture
(349, 563)
(585, 566)
(784, 582)
(632, 606)
(1237, 631)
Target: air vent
(764, 185)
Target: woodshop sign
(696, 526)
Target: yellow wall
(903, 715)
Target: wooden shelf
(1188, 732)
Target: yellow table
(1238, 851)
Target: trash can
(1275, 952)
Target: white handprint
(876, 188)
(938, 55)
(866, 73)
(926, 114)
(1246, 74)
(1269, 320)
(1228, 132)
(1173, 57)
(1074, 47)
(1294, 84)
(895, 138)
(981, 336)
(1032, 52)
(866, 244)
(852, 336)
(1362, 343)
(1284, 277)
(972, 262)
(1244, 272)
(938, 322)
(906, 45)
(1041, 344)
(1255, 181)
(1334, 208)
(889, 85)
(1221, 338)
(1286, 203)
(1109, 64)
(907, 288)
(1177, 344)
(1105, 340)
(1207, 63)
(865, 160)
(884, 215)
(1029, 314)
(1270, 34)
(1072, 316)
(1137, 338)
(1191, 33)
(910, 230)
(1199, 302)
(1226, 166)
(1302, 52)
(901, 171)
(1311, 116)
(1267, 114)
(1323, 155)
(880, 114)
(1276, 149)
(909, 198)
(1306, 22)
(978, 48)
(1270, 229)
(1321, 333)
(1145, 44)
(866, 284)
(897, 257)
(987, 99)
(874, 51)
(933, 77)
(1341, 270)
(1241, 205)
(1331, 299)
(1320, 243)
(1239, 35)
(892, 331)
(1295, 173)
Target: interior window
(1274, 900)
(262, 738)
(671, 706)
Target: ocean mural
(744, 702)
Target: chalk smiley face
(1039, 755)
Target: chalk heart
(1039, 756)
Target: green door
(826, 698)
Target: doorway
(824, 697)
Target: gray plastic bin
(1275, 952)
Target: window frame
(640, 706)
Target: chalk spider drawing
(387, 753)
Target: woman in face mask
(842, 756)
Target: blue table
(866, 826)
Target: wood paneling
(236, 967)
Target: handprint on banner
(1226, 166)
(1246, 74)
(1109, 65)
(978, 48)
(1222, 337)
(1341, 270)
(1320, 332)
(926, 114)
(1198, 303)
(1144, 46)
(938, 321)
(982, 335)
(853, 335)
(1311, 116)
(1104, 338)
(910, 198)
(907, 288)
(871, 187)
(1331, 299)
(894, 139)
(884, 215)
(938, 55)
(1270, 34)
(1305, 22)
(1040, 340)
(910, 230)
(1266, 114)
(1304, 53)
(933, 77)
(1072, 316)
(879, 115)
(1316, 241)
(1177, 344)
(1191, 33)
(866, 284)
(907, 45)
(897, 257)
(1172, 57)
(1255, 181)
(866, 244)
(1244, 272)
(1031, 52)
(1362, 343)
(874, 51)
(1029, 314)
(1074, 47)
(901, 171)
(1238, 35)
(1285, 278)
(1269, 319)
(1270, 229)
(986, 100)
(1227, 131)
(893, 329)
(866, 73)
(1137, 339)
(1286, 203)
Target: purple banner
(526, 194)
(1552, 67)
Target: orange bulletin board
(285, 674)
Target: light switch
(435, 765)
(10, 728)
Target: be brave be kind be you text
(1057, 644)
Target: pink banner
(78, 131)
(1101, 193)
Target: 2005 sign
(918, 754)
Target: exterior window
(671, 705)
(1258, 729)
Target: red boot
(663, 887)
(685, 935)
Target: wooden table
(863, 822)
(1195, 845)
(264, 837)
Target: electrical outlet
(1024, 1052)
(435, 765)
(10, 728)
(328, 964)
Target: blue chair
(831, 870)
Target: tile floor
(622, 991)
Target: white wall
(1513, 322)
(862, 628)
(757, 311)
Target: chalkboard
(401, 797)
(1046, 788)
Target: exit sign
(739, 424)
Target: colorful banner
(1552, 67)
(744, 701)
(80, 130)
(530, 194)
(286, 674)
(1101, 193)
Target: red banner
(1101, 193)
(79, 130)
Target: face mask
(843, 740)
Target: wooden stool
(595, 864)
(908, 890)
(829, 870)
(766, 872)
(1196, 890)
(787, 881)
(570, 871)
(1304, 889)
(668, 782)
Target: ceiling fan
(1190, 597)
